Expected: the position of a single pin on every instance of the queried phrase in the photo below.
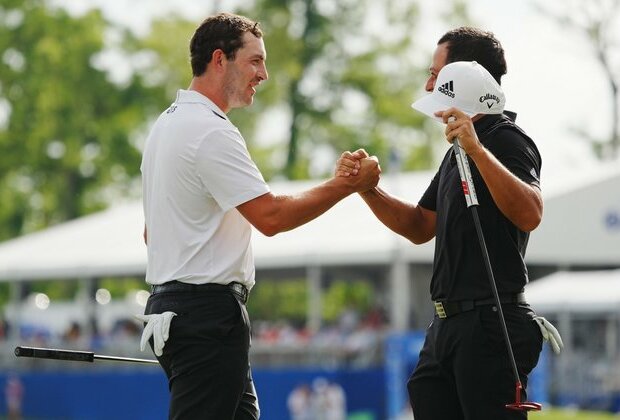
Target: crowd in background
(353, 338)
(322, 400)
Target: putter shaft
(73, 355)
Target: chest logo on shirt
(172, 108)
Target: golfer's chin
(244, 101)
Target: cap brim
(429, 104)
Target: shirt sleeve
(429, 198)
(519, 155)
(227, 171)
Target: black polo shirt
(459, 272)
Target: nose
(430, 83)
(262, 73)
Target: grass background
(557, 414)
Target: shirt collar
(195, 97)
(486, 121)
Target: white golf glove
(550, 334)
(158, 326)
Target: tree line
(71, 128)
(77, 95)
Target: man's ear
(217, 58)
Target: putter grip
(467, 182)
(39, 353)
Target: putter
(73, 355)
(471, 199)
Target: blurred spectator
(73, 333)
(354, 338)
(126, 328)
(329, 401)
(375, 318)
(299, 403)
(14, 393)
(348, 320)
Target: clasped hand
(358, 162)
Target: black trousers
(206, 355)
(464, 371)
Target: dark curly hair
(473, 44)
(223, 31)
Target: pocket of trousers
(525, 338)
(214, 316)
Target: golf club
(472, 201)
(73, 355)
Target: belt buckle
(439, 309)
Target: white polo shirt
(195, 170)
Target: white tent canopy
(581, 226)
(576, 292)
(581, 221)
(108, 243)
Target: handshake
(359, 170)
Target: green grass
(557, 414)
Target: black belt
(445, 309)
(239, 290)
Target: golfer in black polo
(464, 371)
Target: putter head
(525, 406)
(519, 405)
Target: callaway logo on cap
(465, 85)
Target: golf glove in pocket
(157, 326)
(550, 334)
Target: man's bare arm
(272, 214)
(409, 220)
(520, 202)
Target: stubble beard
(234, 92)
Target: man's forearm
(519, 202)
(272, 214)
(296, 210)
(405, 219)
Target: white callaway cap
(465, 85)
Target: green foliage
(119, 287)
(165, 54)
(321, 93)
(458, 14)
(5, 294)
(561, 414)
(277, 299)
(274, 299)
(67, 130)
(55, 289)
(344, 85)
(343, 294)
